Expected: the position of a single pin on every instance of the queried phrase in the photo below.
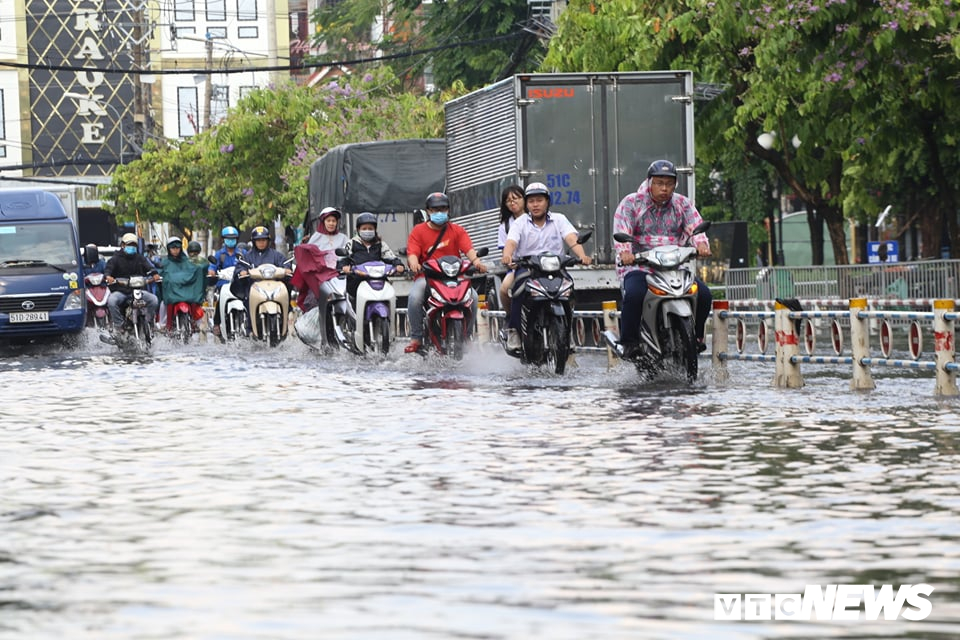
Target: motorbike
(546, 313)
(449, 303)
(137, 330)
(375, 306)
(667, 324)
(233, 313)
(316, 268)
(97, 293)
(268, 302)
(183, 323)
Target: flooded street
(235, 492)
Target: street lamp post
(97, 101)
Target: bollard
(483, 322)
(787, 373)
(944, 347)
(610, 324)
(860, 346)
(720, 336)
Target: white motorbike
(233, 313)
(375, 307)
(269, 301)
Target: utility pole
(139, 57)
(208, 92)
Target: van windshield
(32, 245)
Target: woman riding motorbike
(183, 281)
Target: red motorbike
(97, 293)
(182, 318)
(449, 303)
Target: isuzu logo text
(830, 602)
(552, 92)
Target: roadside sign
(762, 337)
(875, 252)
(885, 338)
(916, 340)
(836, 333)
(741, 334)
(809, 336)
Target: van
(41, 268)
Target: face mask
(230, 242)
(130, 250)
(439, 219)
(367, 235)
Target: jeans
(117, 302)
(415, 314)
(635, 290)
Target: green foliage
(252, 167)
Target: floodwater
(237, 492)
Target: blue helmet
(229, 232)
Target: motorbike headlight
(549, 263)
(376, 271)
(95, 279)
(73, 301)
(450, 269)
(268, 271)
(137, 282)
(668, 259)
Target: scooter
(316, 270)
(183, 324)
(97, 292)
(268, 302)
(233, 313)
(546, 313)
(376, 306)
(137, 331)
(667, 322)
(449, 303)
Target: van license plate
(30, 316)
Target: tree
(831, 75)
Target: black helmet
(663, 168)
(438, 200)
(366, 218)
(193, 247)
(260, 233)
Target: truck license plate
(29, 316)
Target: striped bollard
(860, 346)
(944, 347)
(610, 324)
(720, 337)
(787, 375)
(483, 322)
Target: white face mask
(367, 235)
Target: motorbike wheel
(183, 326)
(455, 337)
(236, 324)
(141, 330)
(378, 336)
(273, 333)
(558, 344)
(684, 347)
(100, 322)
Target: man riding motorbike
(124, 264)
(225, 257)
(436, 238)
(261, 253)
(541, 230)
(654, 216)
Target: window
(184, 31)
(3, 126)
(184, 10)
(217, 32)
(246, 9)
(216, 10)
(248, 32)
(189, 114)
(219, 102)
(246, 90)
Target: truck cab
(41, 268)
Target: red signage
(551, 92)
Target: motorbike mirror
(402, 251)
(482, 253)
(585, 236)
(701, 228)
(91, 255)
(211, 259)
(342, 252)
(623, 237)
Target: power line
(291, 67)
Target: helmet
(437, 200)
(260, 233)
(175, 242)
(128, 238)
(366, 218)
(329, 211)
(536, 189)
(229, 232)
(193, 247)
(662, 168)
